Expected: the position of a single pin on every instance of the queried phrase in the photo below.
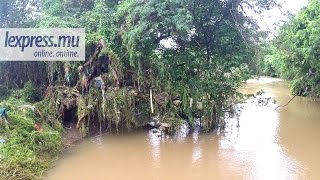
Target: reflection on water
(154, 142)
(255, 144)
(196, 153)
(260, 143)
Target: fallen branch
(285, 104)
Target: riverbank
(28, 145)
(268, 143)
(39, 132)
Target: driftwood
(285, 104)
(94, 67)
(97, 65)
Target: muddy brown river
(271, 144)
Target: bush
(30, 93)
(4, 92)
(26, 152)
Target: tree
(213, 42)
(295, 51)
(208, 61)
(20, 14)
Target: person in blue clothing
(4, 116)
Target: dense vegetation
(175, 59)
(28, 149)
(294, 54)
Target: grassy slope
(27, 152)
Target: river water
(269, 143)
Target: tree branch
(287, 103)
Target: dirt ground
(71, 137)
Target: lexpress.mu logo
(51, 44)
(40, 41)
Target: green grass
(27, 152)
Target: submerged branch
(285, 104)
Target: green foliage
(212, 45)
(294, 54)
(26, 152)
(209, 56)
(4, 91)
(30, 93)
(16, 14)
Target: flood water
(271, 144)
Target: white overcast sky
(274, 16)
